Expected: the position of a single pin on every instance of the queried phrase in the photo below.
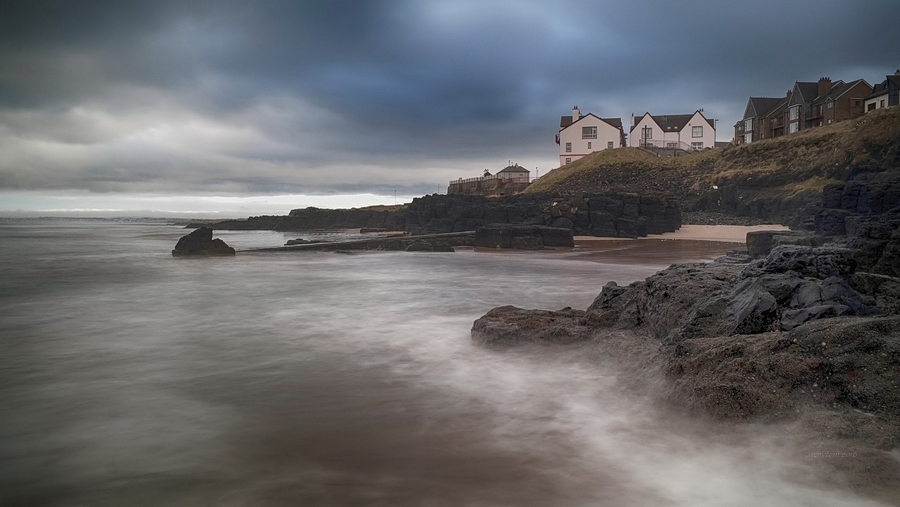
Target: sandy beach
(719, 233)
(690, 243)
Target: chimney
(824, 86)
(576, 114)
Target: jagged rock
(761, 243)
(508, 325)
(821, 262)
(851, 361)
(201, 243)
(609, 292)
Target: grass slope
(798, 163)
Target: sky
(242, 108)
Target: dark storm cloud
(335, 95)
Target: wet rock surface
(200, 243)
(742, 338)
(523, 237)
(508, 325)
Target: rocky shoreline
(802, 327)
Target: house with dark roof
(580, 135)
(763, 118)
(800, 105)
(825, 102)
(839, 101)
(884, 94)
(676, 131)
(807, 105)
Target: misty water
(129, 377)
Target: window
(609, 145)
(568, 147)
(671, 145)
(646, 133)
(881, 104)
(589, 145)
(697, 146)
(589, 132)
(792, 128)
(568, 160)
(795, 112)
(748, 125)
(698, 131)
(871, 107)
(748, 138)
(830, 105)
(829, 120)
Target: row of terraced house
(813, 104)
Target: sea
(129, 377)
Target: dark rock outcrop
(508, 325)
(612, 215)
(740, 337)
(848, 362)
(523, 237)
(201, 243)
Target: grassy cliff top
(807, 160)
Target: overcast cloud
(352, 97)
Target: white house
(582, 135)
(514, 174)
(682, 131)
(886, 94)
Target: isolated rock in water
(201, 243)
(508, 325)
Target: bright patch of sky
(186, 98)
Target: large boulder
(201, 243)
(508, 325)
(851, 361)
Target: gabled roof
(672, 122)
(513, 169)
(566, 121)
(883, 87)
(840, 89)
(761, 106)
(804, 91)
(779, 107)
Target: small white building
(679, 131)
(514, 174)
(884, 95)
(582, 135)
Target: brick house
(763, 119)
(807, 105)
(580, 135)
(824, 102)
